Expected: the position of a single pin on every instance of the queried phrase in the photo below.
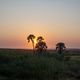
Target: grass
(23, 65)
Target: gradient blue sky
(55, 20)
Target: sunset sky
(55, 20)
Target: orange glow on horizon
(35, 41)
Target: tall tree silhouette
(31, 38)
(41, 45)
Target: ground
(22, 64)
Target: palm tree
(31, 38)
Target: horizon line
(32, 49)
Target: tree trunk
(33, 45)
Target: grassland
(19, 64)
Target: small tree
(41, 45)
(31, 38)
(60, 47)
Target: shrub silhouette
(60, 47)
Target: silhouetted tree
(60, 47)
(31, 38)
(40, 39)
(41, 45)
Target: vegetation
(40, 45)
(22, 65)
(60, 47)
(31, 38)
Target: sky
(55, 20)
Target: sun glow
(35, 41)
